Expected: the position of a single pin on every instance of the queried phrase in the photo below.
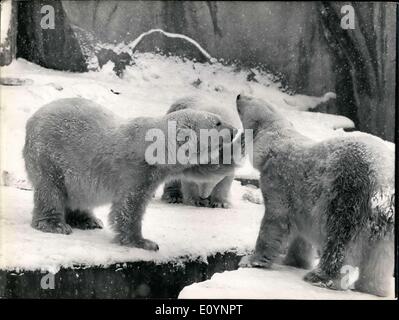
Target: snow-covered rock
(280, 282)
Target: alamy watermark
(48, 19)
(47, 282)
(184, 146)
(349, 276)
(348, 20)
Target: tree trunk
(55, 48)
(8, 31)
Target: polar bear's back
(71, 110)
(379, 154)
(67, 132)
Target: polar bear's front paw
(209, 203)
(201, 202)
(255, 261)
(319, 279)
(172, 192)
(245, 262)
(137, 243)
(83, 220)
(91, 223)
(146, 245)
(196, 201)
(52, 226)
(173, 197)
(217, 203)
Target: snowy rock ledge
(194, 243)
(281, 282)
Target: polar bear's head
(199, 135)
(213, 104)
(257, 114)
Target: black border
(144, 309)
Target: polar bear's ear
(178, 105)
(239, 104)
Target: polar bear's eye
(218, 123)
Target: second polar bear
(204, 185)
(336, 195)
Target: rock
(7, 81)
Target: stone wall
(142, 279)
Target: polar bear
(205, 185)
(78, 155)
(337, 195)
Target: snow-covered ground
(281, 282)
(182, 232)
(148, 88)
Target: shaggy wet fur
(332, 194)
(78, 156)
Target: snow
(182, 232)
(280, 282)
(132, 46)
(147, 88)
(304, 103)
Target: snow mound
(303, 103)
(280, 282)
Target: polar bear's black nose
(238, 97)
